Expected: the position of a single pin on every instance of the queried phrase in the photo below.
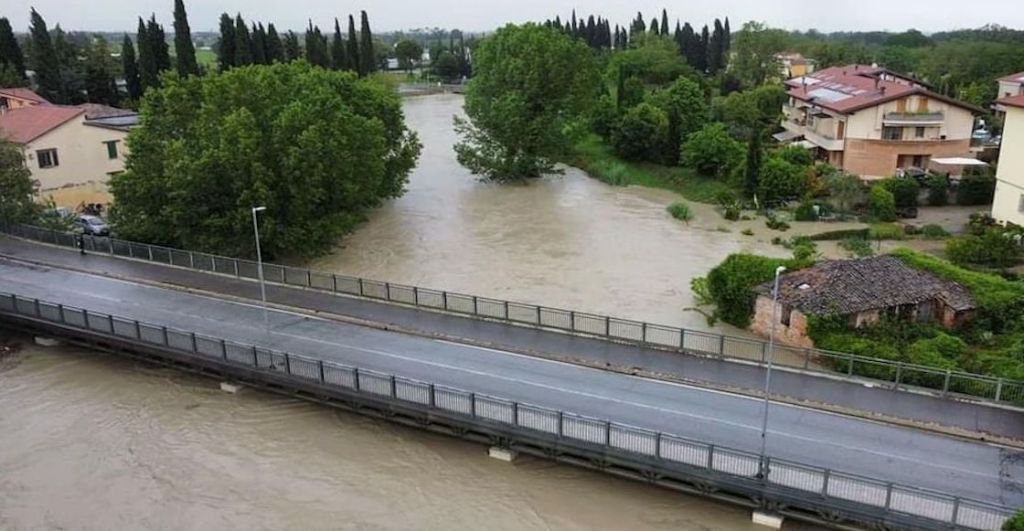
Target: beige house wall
(958, 123)
(1007, 89)
(1008, 205)
(84, 166)
(877, 159)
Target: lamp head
(259, 209)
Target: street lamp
(768, 373)
(259, 265)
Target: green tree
(292, 48)
(780, 179)
(339, 57)
(130, 67)
(72, 73)
(353, 45)
(881, 203)
(16, 186)
(445, 65)
(844, 190)
(1016, 523)
(99, 77)
(408, 53)
(687, 111)
(226, 44)
(10, 52)
(638, 133)
(711, 151)
(258, 43)
(315, 146)
(275, 49)
(755, 51)
(158, 44)
(367, 59)
(243, 43)
(654, 60)
(43, 60)
(184, 50)
(529, 84)
(752, 174)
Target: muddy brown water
(92, 441)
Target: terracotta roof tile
(1012, 101)
(29, 123)
(1013, 78)
(23, 94)
(847, 89)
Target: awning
(805, 144)
(787, 136)
(959, 161)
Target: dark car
(918, 174)
(93, 225)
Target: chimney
(882, 90)
(876, 83)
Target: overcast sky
(826, 15)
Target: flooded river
(93, 441)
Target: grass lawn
(207, 59)
(595, 157)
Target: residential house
(71, 150)
(861, 291)
(794, 65)
(1008, 205)
(17, 97)
(1011, 85)
(871, 121)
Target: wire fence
(569, 428)
(894, 374)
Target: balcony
(824, 141)
(915, 119)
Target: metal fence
(893, 373)
(569, 428)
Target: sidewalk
(813, 390)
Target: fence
(893, 373)
(569, 428)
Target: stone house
(863, 291)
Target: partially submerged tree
(16, 186)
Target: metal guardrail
(892, 373)
(569, 428)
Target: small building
(863, 291)
(1011, 85)
(1008, 204)
(870, 121)
(71, 150)
(794, 65)
(18, 97)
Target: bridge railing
(667, 450)
(688, 341)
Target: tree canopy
(316, 147)
(529, 84)
(16, 185)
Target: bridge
(661, 417)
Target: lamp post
(763, 473)
(259, 265)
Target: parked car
(913, 172)
(93, 225)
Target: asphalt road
(807, 388)
(901, 455)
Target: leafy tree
(755, 50)
(184, 50)
(904, 191)
(529, 84)
(367, 59)
(752, 175)
(243, 43)
(99, 79)
(638, 133)
(275, 49)
(780, 179)
(797, 155)
(711, 151)
(604, 117)
(654, 60)
(339, 57)
(315, 146)
(226, 44)
(687, 111)
(844, 190)
(881, 204)
(130, 67)
(43, 60)
(16, 186)
(258, 44)
(730, 284)
(445, 65)
(10, 52)
(292, 48)
(71, 72)
(149, 70)
(158, 45)
(1016, 523)
(408, 53)
(994, 248)
(976, 190)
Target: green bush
(904, 191)
(609, 172)
(804, 249)
(881, 204)
(711, 151)
(858, 247)
(747, 232)
(604, 117)
(731, 284)
(775, 223)
(976, 190)
(639, 133)
(680, 211)
(1016, 523)
(938, 190)
(885, 231)
(841, 234)
(797, 155)
(805, 212)
(992, 249)
(934, 232)
(781, 180)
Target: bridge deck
(806, 388)
(902, 455)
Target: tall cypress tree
(131, 69)
(158, 42)
(275, 49)
(691, 49)
(99, 82)
(654, 28)
(43, 60)
(664, 22)
(10, 51)
(226, 44)
(574, 28)
(367, 58)
(184, 50)
(257, 43)
(149, 73)
(339, 57)
(243, 43)
(727, 42)
(292, 49)
(316, 47)
(702, 50)
(353, 45)
(715, 49)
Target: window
(1020, 204)
(918, 132)
(919, 161)
(47, 158)
(111, 149)
(892, 133)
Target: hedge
(731, 284)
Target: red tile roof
(1013, 78)
(23, 94)
(1012, 101)
(26, 124)
(847, 89)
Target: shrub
(845, 191)
(858, 247)
(781, 180)
(941, 351)
(639, 133)
(885, 231)
(731, 284)
(976, 190)
(797, 155)
(747, 232)
(610, 172)
(980, 223)
(711, 151)
(934, 232)
(804, 249)
(904, 191)
(993, 249)
(842, 234)
(938, 190)
(805, 212)
(881, 204)
(605, 117)
(1015, 523)
(775, 223)
(680, 211)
